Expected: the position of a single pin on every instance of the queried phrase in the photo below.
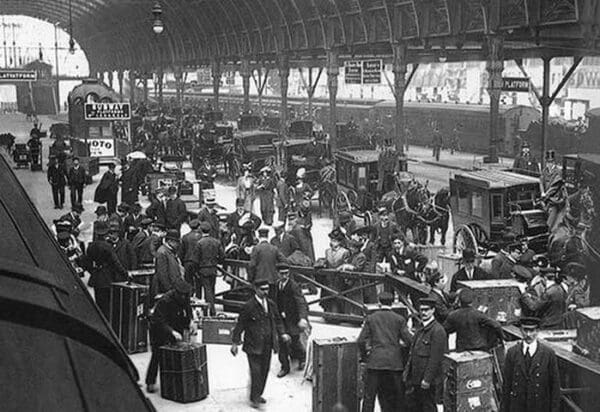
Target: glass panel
(497, 206)
(362, 177)
(463, 201)
(477, 204)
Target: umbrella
(136, 155)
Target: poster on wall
(101, 147)
(107, 111)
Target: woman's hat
(336, 234)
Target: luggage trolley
(21, 155)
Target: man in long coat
(129, 185)
(168, 266)
(531, 376)
(107, 190)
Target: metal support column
(245, 73)
(284, 73)
(111, 80)
(260, 81)
(399, 68)
(160, 78)
(145, 86)
(179, 85)
(132, 86)
(120, 81)
(310, 87)
(494, 67)
(216, 76)
(546, 101)
(333, 69)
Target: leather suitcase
(218, 329)
(183, 372)
(469, 383)
(128, 315)
(588, 331)
(499, 298)
(336, 375)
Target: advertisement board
(107, 111)
(101, 147)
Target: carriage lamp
(157, 25)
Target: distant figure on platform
(35, 145)
(260, 323)
(168, 265)
(107, 189)
(423, 373)
(383, 337)
(525, 163)
(246, 188)
(266, 191)
(282, 198)
(531, 376)
(172, 315)
(57, 177)
(129, 183)
(207, 253)
(76, 179)
(437, 142)
(176, 209)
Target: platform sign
(515, 84)
(15, 75)
(101, 147)
(353, 72)
(107, 111)
(371, 71)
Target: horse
(438, 215)
(410, 209)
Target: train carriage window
(362, 177)
(497, 201)
(463, 200)
(92, 98)
(477, 204)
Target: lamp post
(56, 67)
(158, 27)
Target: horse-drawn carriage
(248, 121)
(487, 205)
(256, 147)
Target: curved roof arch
(117, 34)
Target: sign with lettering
(353, 72)
(107, 111)
(101, 147)
(515, 84)
(15, 75)
(371, 71)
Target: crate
(336, 374)
(218, 329)
(142, 276)
(499, 298)
(588, 331)
(128, 310)
(397, 307)
(183, 372)
(448, 264)
(469, 384)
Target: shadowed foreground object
(57, 352)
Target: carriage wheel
(481, 238)
(343, 202)
(368, 217)
(464, 238)
(353, 199)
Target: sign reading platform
(15, 75)
(107, 111)
(515, 84)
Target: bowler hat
(172, 234)
(145, 222)
(521, 272)
(336, 234)
(260, 283)
(194, 223)
(63, 236)
(123, 207)
(159, 226)
(210, 201)
(114, 226)
(101, 210)
(466, 297)
(205, 227)
(239, 202)
(283, 267)
(263, 232)
(386, 298)
(469, 255)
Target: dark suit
(380, 345)
(176, 213)
(104, 267)
(186, 253)
(263, 263)
(129, 186)
(126, 254)
(205, 215)
(286, 243)
(473, 329)
(550, 307)
(76, 180)
(107, 190)
(382, 236)
(409, 261)
(261, 336)
(442, 304)
(207, 253)
(425, 364)
(141, 245)
(305, 241)
(57, 177)
(158, 212)
(170, 314)
(502, 266)
(461, 275)
(533, 389)
(292, 307)
(168, 270)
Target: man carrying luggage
(380, 346)
(262, 327)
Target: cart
(488, 204)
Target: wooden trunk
(397, 307)
(336, 375)
(128, 303)
(183, 372)
(469, 384)
(499, 298)
(588, 331)
(218, 329)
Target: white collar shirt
(531, 348)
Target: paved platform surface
(228, 376)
